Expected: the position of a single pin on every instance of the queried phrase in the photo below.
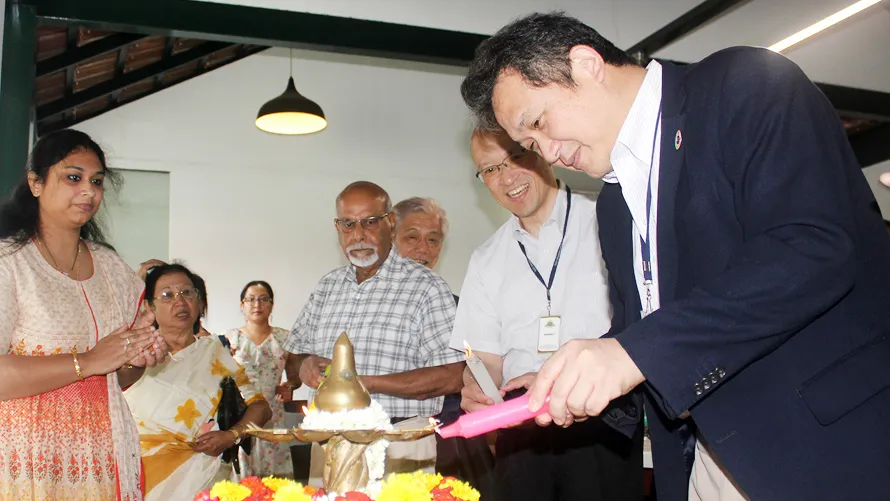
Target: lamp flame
(305, 411)
(435, 423)
(467, 349)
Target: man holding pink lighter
(535, 284)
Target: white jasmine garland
(373, 417)
(375, 457)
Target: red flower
(204, 496)
(259, 491)
(442, 492)
(353, 496)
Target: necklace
(74, 266)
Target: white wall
(248, 205)
(137, 218)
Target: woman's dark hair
(537, 48)
(202, 292)
(155, 274)
(20, 214)
(261, 283)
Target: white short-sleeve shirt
(502, 301)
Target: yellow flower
(219, 369)
(229, 491)
(291, 492)
(408, 487)
(461, 490)
(187, 414)
(277, 483)
(431, 480)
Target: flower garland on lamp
(417, 486)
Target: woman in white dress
(257, 346)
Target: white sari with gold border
(170, 403)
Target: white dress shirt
(635, 165)
(502, 302)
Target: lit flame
(435, 423)
(305, 411)
(467, 349)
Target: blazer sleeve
(787, 158)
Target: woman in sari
(258, 347)
(175, 404)
(69, 337)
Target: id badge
(548, 334)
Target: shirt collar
(632, 152)
(557, 215)
(632, 138)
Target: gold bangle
(236, 433)
(77, 365)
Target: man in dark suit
(750, 278)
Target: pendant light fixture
(291, 113)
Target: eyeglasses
(260, 300)
(491, 173)
(170, 296)
(369, 223)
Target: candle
(492, 418)
(481, 375)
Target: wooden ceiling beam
(73, 56)
(106, 88)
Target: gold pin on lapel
(678, 139)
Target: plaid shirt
(398, 320)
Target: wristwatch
(237, 435)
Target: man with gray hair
(419, 234)
(421, 226)
(398, 315)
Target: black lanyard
(565, 227)
(645, 250)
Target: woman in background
(201, 287)
(69, 337)
(175, 404)
(257, 346)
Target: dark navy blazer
(774, 277)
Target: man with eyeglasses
(399, 316)
(535, 284)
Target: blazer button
(714, 378)
(698, 390)
(707, 385)
(720, 372)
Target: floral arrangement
(417, 486)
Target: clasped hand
(139, 346)
(214, 443)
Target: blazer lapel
(616, 239)
(671, 166)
